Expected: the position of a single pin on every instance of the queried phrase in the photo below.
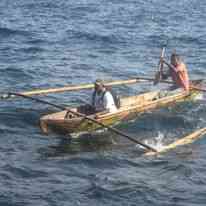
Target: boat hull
(130, 109)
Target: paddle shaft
(88, 118)
(160, 67)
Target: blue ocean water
(47, 43)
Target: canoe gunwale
(146, 106)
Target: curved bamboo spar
(82, 86)
(75, 87)
(183, 141)
(88, 118)
(79, 87)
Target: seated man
(102, 99)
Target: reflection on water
(94, 142)
(90, 142)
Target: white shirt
(105, 103)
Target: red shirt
(180, 76)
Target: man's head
(99, 85)
(175, 59)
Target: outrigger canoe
(130, 107)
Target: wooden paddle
(158, 75)
(161, 65)
(88, 118)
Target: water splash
(156, 142)
(201, 97)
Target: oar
(161, 62)
(158, 76)
(88, 118)
(80, 87)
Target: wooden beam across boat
(190, 138)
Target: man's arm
(171, 66)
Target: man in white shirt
(102, 100)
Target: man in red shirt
(178, 72)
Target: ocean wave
(37, 41)
(24, 172)
(15, 76)
(33, 49)
(187, 39)
(40, 5)
(94, 37)
(79, 9)
(4, 32)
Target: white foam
(156, 142)
(200, 96)
(79, 134)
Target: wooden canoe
(131, 107)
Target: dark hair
(175, 58)
(99, 82)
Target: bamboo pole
(81, 87)
(182, 141)
(158, 74)
(161, 62)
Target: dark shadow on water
(68, 145)
(87, 143)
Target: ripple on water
(8, 32)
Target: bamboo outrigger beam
(182, 141)
(82, 86)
